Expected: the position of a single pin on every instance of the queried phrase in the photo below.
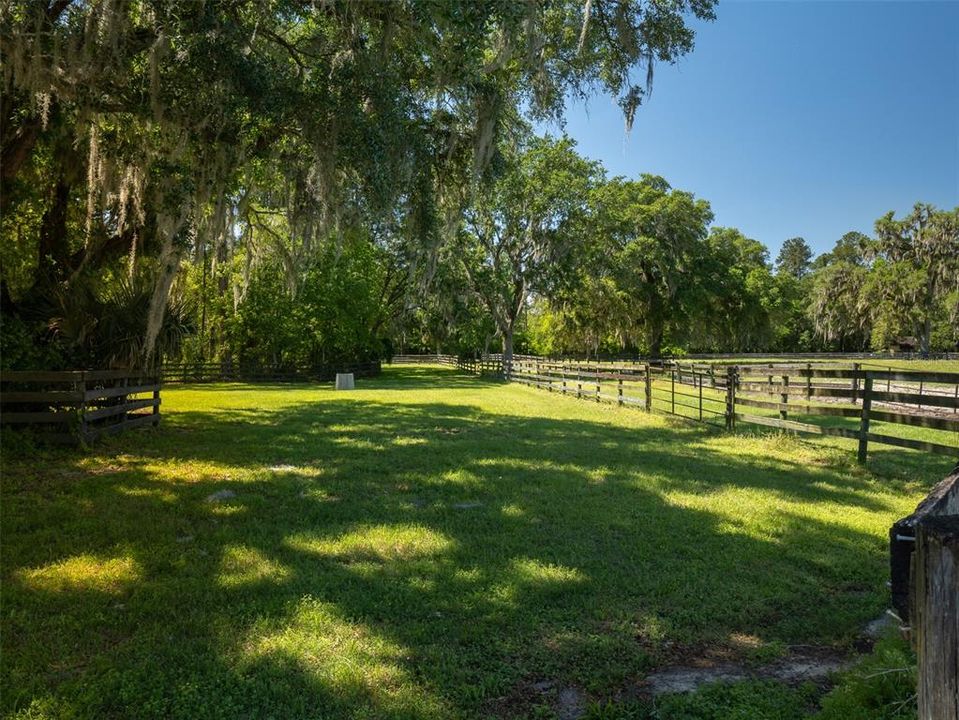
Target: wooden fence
(78, 406)
(237, 372)
(766, 395)
(924, 564)
(912, 398)
(423, 359)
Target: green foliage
(870, 293)
(164, 134)
(759, 700)
(331, 318)
(524, 235)
(922, 250)
(794, 257)
(835, 307)
(881, 687)
(654, 236)
(850, 248)
(90, 324)
(22, 349)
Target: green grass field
(427, 546)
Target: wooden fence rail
(759, 394)
(78, 406)
(911, 407)
(729, 394)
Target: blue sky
(799, 118)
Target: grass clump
(881, 687)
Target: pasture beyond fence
(78, 406)
(855, 401)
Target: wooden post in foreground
(935, 616)
(864, 419)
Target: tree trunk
(54, 249)
(656, 341)
(507, 351)
(18, 149)
(168, 264)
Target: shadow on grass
(407, 560)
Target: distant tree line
(555, 258)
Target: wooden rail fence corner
(78, 406)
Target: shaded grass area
(430, 545)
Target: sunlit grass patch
(348, 660)
(380, 543)
(243, 565)
(83, 573)
(534, 572)
(409, 441)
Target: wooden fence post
(731, 397)
(619, 390)
(579, 384)
(156, 402)
(83, 407)
(864, 418)
(855, 382)
(700, 396)
(934, 608)
(808, 385)
(649, 390)
(672, 391)
(598, 389)
(784, 398)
